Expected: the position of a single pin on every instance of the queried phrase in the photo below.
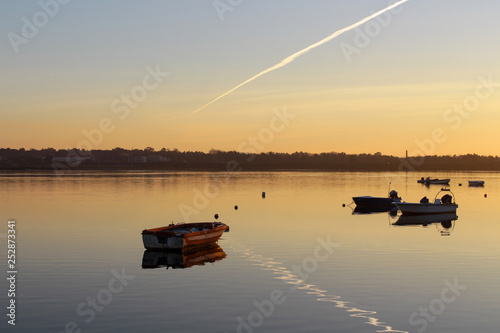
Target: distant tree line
(173, 159)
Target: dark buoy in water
(263, 194)
(343, 205)
(485, 195)
(460, 184)
(216, 216)
(236, 207)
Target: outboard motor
(393, 194)
(446, 199)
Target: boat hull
(434, 181)
(440, 182)
(476, 183)
(425, 208)
(367, 201)
(365, 210)
(184, 237)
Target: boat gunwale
(170, 231)
(371, 202)
(424, 204)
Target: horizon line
(247, 153)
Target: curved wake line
(289, 277)
(294, 56)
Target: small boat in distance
(435, 181)
(183, 236)
(440, 206)
(380, 202)
(476, 182)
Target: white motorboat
(446, 204)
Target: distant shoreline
(118, 159)
(89, 172)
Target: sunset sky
(423, 78)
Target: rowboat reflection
(168, 259)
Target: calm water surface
(296, 261)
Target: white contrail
(294, 56)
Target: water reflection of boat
(426, 220)
(159, 259)
(183, 236)
(444, 222)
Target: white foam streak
(321, 295)
(294, 56)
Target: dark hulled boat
(380, 202)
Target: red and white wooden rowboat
(183, 236)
